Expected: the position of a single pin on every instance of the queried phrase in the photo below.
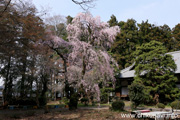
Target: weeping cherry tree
(89, 61)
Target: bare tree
(57, 22)
(85, 4)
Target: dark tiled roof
(128, 73)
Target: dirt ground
(62, 114)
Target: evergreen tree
(113, 21)
(155, 70)
(176, 35)
(125, 43)
(148, 32)
(69, 19)
(136, 94)
(135, 34)
(144, 32)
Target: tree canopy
(89, 38)
(155, 70)
(134, 34)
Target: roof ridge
(173, 52)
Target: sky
(158, 12)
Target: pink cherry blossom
(90, 37)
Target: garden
(64, 67)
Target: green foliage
(147, 97)
(136, 94)
(118, 105)
(175, 104)
(65, 100)
(133, 106)
(105, 91)
(69, 19)
(176, 35)
(125, 43)
(113, 21)
(161, 105)
(85, 101)
(135, 34)
(104, 97)
(155, 70)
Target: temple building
(127, 75)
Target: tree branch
(85, 4)
(6, 6)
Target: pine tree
(125, 43)
(155, 70)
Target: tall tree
(90, 38)
(18, 48)
(155, 70)
(148, 32)
(62, 48)
(133, 35)
(144, 32)
(176, 35)
(113, 21)
(125, 43)
(57, 24)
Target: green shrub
(85, 101)
(136, 93)
(175, 104)
(160, 105)
(93, 103)
(118, 105)
(104, 97)
(65, 100)
(132, 106)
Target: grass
(51, 104)
(62, 113)
(127, 104)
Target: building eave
(128, 73)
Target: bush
(118, 105)
(175, 104)
(85, 101)
(65, 100)
(132, 106)
(161, 105)
(136, 93)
